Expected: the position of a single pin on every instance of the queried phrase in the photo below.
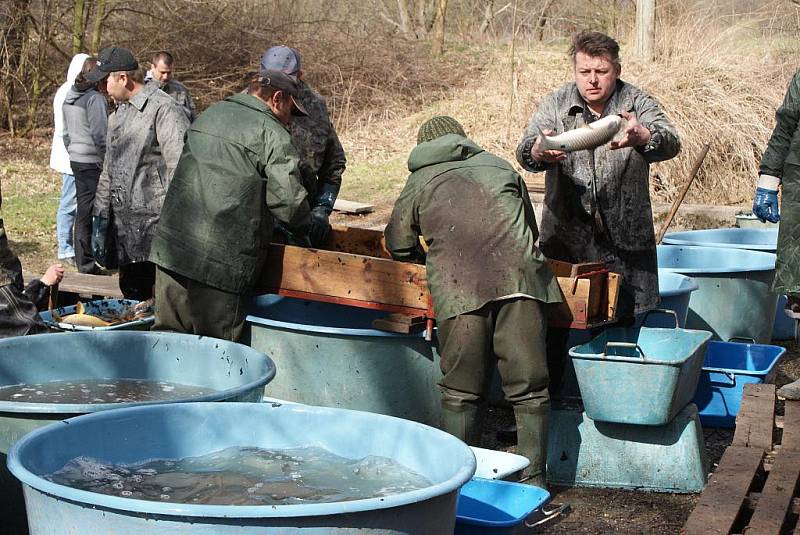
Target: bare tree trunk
(488, 17)
(97, 30)
(14, 30)
(423, 20)
(44, 30)
(78, 26)
(405, 18)
(438, 28)
(645, 29)
(540, 24)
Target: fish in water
(587, 136)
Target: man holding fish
(597, 199)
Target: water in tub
(245, 476)
(91, 391)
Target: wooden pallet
(77, 286)
(755, 489)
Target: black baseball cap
(112, 59)
(284, 82)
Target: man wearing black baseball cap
(143, 145)
(237, 178)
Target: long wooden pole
(679, 199)
(645, 29)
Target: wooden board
(357, 241)
(775, 501)
(352, 207)
(791, 426)
(99, 286)
(346, 276)
(722, 500)
(756, 417)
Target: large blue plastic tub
(494, 507)
(675, 290)
(641, 376)
(330, 355)
(236, 372)
(753, 239)
(728, 366)
(734, 298)
(180, 430)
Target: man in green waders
(487, 278)
(780, 166)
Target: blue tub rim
(83, 497)
(767, 258)
(322, 329)
(681, 289)
(683, 237)
(781, 351)
(17, 407)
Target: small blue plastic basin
(490, 505)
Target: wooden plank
(776, 498)
(400, 323)
(345, 275)
(722, 500)
(85, 284)
(756, 417)
(352, 207)
(357, 241)
(791, 426)
(612, 291)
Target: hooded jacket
(59, 158)
(476, 217)
(85, 125)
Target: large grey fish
(588, 136)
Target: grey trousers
(510, 333)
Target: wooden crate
(756, 487)
(356, 269)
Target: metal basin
(329, 355)
(734, 298)
(236, 372)
(190, 429)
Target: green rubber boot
(464, 421)
(532, 443)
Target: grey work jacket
(144, 144)
(597, 202)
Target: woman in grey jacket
(85, 126)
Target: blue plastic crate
(727, 367)
(495, 507)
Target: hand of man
(765, 204)
(635, 134)
(53, 275)
(99, 231)
(549, 156)
(319, 226)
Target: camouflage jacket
(179, 94)
(322, 159)
(143, 146)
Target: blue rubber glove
(765, 205)
(99, 232)
(319, 226)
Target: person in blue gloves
(780, 167)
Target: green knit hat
(439, 126)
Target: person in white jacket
(59, 161)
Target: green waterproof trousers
(187, 306)
(511, 334)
